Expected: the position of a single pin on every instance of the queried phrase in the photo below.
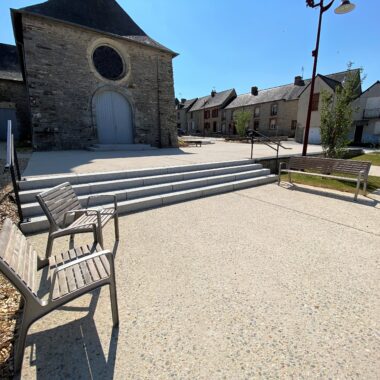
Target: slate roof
(9, 63)
(189, 103)
(286, 92)
(212, 101)
(102, 15)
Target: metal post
(15, 159)
(252, 146)
(15, 188)
(315, 55)
(278, 147)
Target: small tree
(242, 119)
(336, 114)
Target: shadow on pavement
(347, 197)
(74, 350)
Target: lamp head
(345, 7)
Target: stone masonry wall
(62, 82)
(286, 112)
(15, 92)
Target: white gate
(113, 118)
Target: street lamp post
(345, 7)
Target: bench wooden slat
(84, 269)
(69, 272)
(77, 271)
(55, 192)
(323, 175)
(100, 267)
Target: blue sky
(243, 43)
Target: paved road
(263, 283)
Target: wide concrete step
(29, 196)
(120, 147)
(34, 208)
(42, 182)
(40, 223)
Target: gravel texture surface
(267, 283)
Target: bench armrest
(62, 267)
(113, 196)
(72, 212)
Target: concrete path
(375, 170)
(267, 283)
(43, 163)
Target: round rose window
(108, 62)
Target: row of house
(280, 111)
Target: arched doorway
(113, 118)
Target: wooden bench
(71, 274)
(328, 167)
(60, 203)
(194, 142)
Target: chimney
(254, 91)
(298, 81)
(213, 93)
(183, 100)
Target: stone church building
(93, 76)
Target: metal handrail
(13, 166)
(267, 143)
(276, 142)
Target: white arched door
(113, 118)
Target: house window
(257, 112)
(272, 123)
(207, 126)
(191, 115)
(207, 114)
(315, 102)
(274, 110)
(215, 113)
(214, 126)
(294, 125)
(256, 125)
(178, 116)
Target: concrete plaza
(82, 161)
(268, 282)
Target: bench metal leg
(71, 242)
(100, 236)
(365, 188)
(116, 221)
(21, 339)
(290, 177)
(357, 190)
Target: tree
(242, 119)
(337, 112)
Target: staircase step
(34, 209)
(40, 223)
(119, 147)
(28, 196)
(43, 182)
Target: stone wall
(15, 92)
(286, 112)
(62, 82)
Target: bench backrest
(18, 260)
(330, 165)
(57, 201)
